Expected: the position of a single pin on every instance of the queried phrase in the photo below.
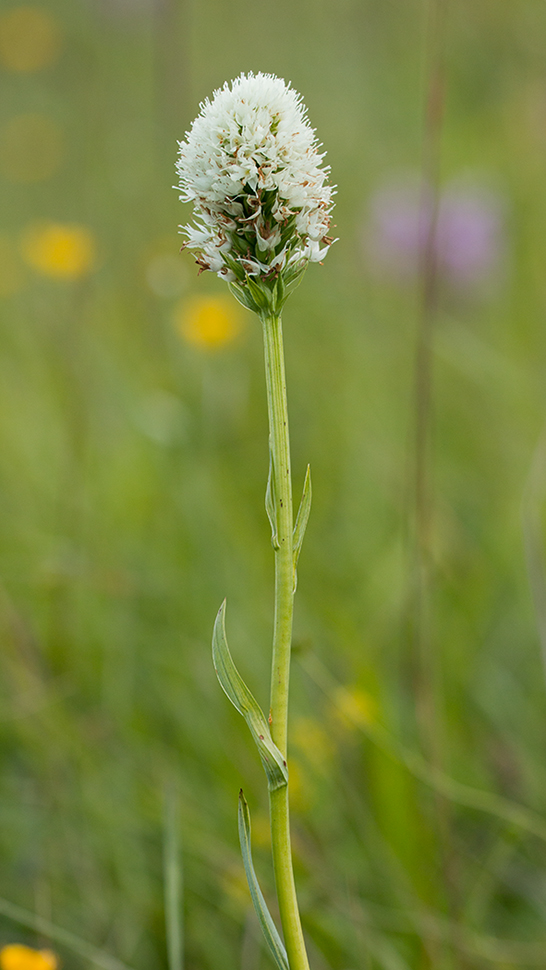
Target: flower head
(58, 250)
(250, 165)
(469, 237)
(17, 956)
(208, 322)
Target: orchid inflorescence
(251, 166)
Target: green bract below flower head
(250, 165)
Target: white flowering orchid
(250, 165)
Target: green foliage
(265, 919)
(302, 516)
(243, 700)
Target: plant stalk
(279, 443)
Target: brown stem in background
(425, 647)
(422, 490)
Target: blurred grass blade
(269, 929)
(173, 886)
(303, 516)
(270, 503)
(483, 801)
(56, 934)
(234, 686)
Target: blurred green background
(133, 461)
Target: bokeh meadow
(133, 463)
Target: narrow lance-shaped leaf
(294, 274)
(241, 697)
(235, 268)
(242, 296)
(270, 502)
(261, 295)
(269, 929)
(302, 516)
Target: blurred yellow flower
(29, 39)
(62, 251)
(208, 322)
(31, 148)
(11, 273)
(17, 956)
(353, 707)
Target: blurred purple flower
(469, 242)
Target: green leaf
(260, 293)
(234, 266)
(243, 700)
(293, 275)
(269, 929)
(243, 297)
(279, 293)
(302, 516)
(270, 502)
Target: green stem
(282, 634)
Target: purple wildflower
(469, 236)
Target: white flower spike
(250, 165)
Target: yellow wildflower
(17, 956)
(31, 148)
(29, 39)
(208, 322)
(62, 251)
